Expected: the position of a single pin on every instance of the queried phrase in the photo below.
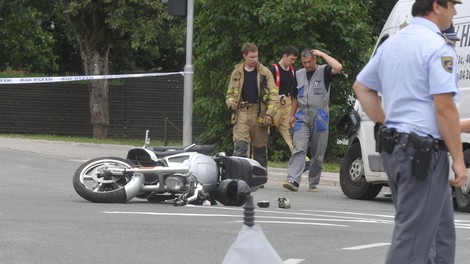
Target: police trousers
(424, 221)
(250, 136)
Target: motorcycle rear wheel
(93, 185)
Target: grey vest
(312, 94)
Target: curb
(87, 151)
(326, 179)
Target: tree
(97, 26)
(379, 13)
(340, 28)
(27, 39)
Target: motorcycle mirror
(189, 147)
(147, 139)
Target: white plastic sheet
(251, 247)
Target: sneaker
(313, 188)
(291, 185)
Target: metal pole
(188, 79)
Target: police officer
(310, 117)
(253, 98)
(284, 77)
(415, 71)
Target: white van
(362, 175)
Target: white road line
(460, 226)
(367, 246)
(237, 216)
(170, 214)
(296, 223)
(293, 261)
(330, 217)
(258, 217)
(351, 213)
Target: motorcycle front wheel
(92, 184)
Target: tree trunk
(92, 35)
(99, 106)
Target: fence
(135, 105)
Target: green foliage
(379, 13)
(340, 28)
(278, 150)
(27, 42)
(142, 37)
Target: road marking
(351, 213)
(334, 218)
(235, 216)
(170, 214)
(367, 246)
(293, 261)
(296, 223)
(462, 224)
(281, 217)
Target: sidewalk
(87, 151)
(327, 178)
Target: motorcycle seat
(162, 151)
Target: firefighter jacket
(268, 94)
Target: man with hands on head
(310, 117)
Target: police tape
(82, 78)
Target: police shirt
(408, 69)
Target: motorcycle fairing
(245, 169)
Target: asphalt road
(43, 220)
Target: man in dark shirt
(284, 76)
(253, 99)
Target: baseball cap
(450, 34)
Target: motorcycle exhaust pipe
(196, 193)
(134, 186)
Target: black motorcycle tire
(108, 190)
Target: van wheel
(462, 199)
(351, 176)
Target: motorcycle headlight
(176, 183)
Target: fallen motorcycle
(178, 175)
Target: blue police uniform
(408, 69)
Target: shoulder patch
(447, 63)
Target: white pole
(188, 79)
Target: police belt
(428, 143)
(387, 138)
